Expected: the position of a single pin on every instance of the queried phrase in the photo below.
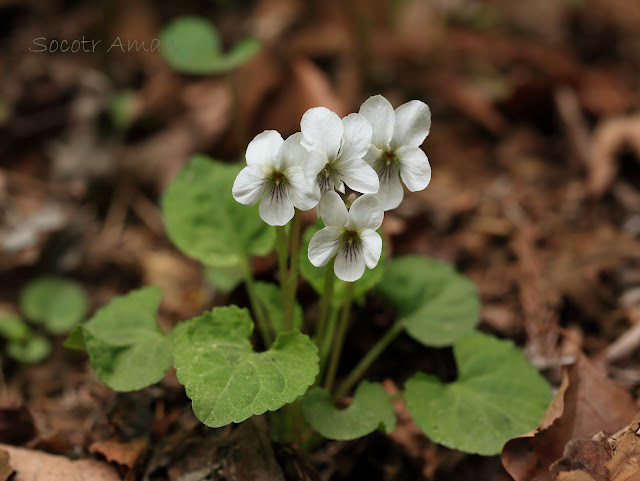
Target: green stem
(326, 341)
(339, 341)
(292, 280)
(283, 252)
(356, 374)
(258, 311)
(327, 295)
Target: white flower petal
(276, 207)
(324, 245)
(332, 210)
(391, 193)
(371, 247)
(322, 130)
(358, 175)
(291, 153)
(379, 112)
(414, 168)
(372, 155)
(357, 137)
(248, 186)
(314, 164)
(413, 121)
(304, 195)
(349, 265)
(340, 188)
(365, 213)
(263, 149)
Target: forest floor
(535, 152)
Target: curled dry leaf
(609, 138)
(5, 468)
(31, 465)
(586, 403)
(602, 459)
(125, 454)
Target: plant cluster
(49, 305)
(352, 170)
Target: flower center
(386, 166)
(278, 177)
(389, 158)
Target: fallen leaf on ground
(610, 138)
(33, 465)
(602, 459)
(125, 454)
(586, 403)
(583, 456)
(5, 468)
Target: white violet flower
(336, 150)
(349, 234)
(274, 172)
(395, 147)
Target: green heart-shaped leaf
(205, 222)
(57, 303)
(32, 350)
(436, 304)
(315, 275)
(224, 279)
(191, 45)
(126, 347)
(229, 382)
(498, 395)
(12, 328)
(370, 409)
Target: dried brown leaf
(609, 138)
(5, 468)
(587, 402)
(625, 465)
(33, 465)
(586, 455)
(125, 454)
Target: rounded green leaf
(57, 303)
(32, 350)
(12, 328)
(315, 275)
(498, 395)
(270, 296)
(205, 222)
(122, 105)
(229, 382)
(224, 279)
(436, 304)
(191, 45)
(126, 347)
(370, 409)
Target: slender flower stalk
(266, 331)
(291, 283)
(325, 305)
(339, 339)
(356, 374)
